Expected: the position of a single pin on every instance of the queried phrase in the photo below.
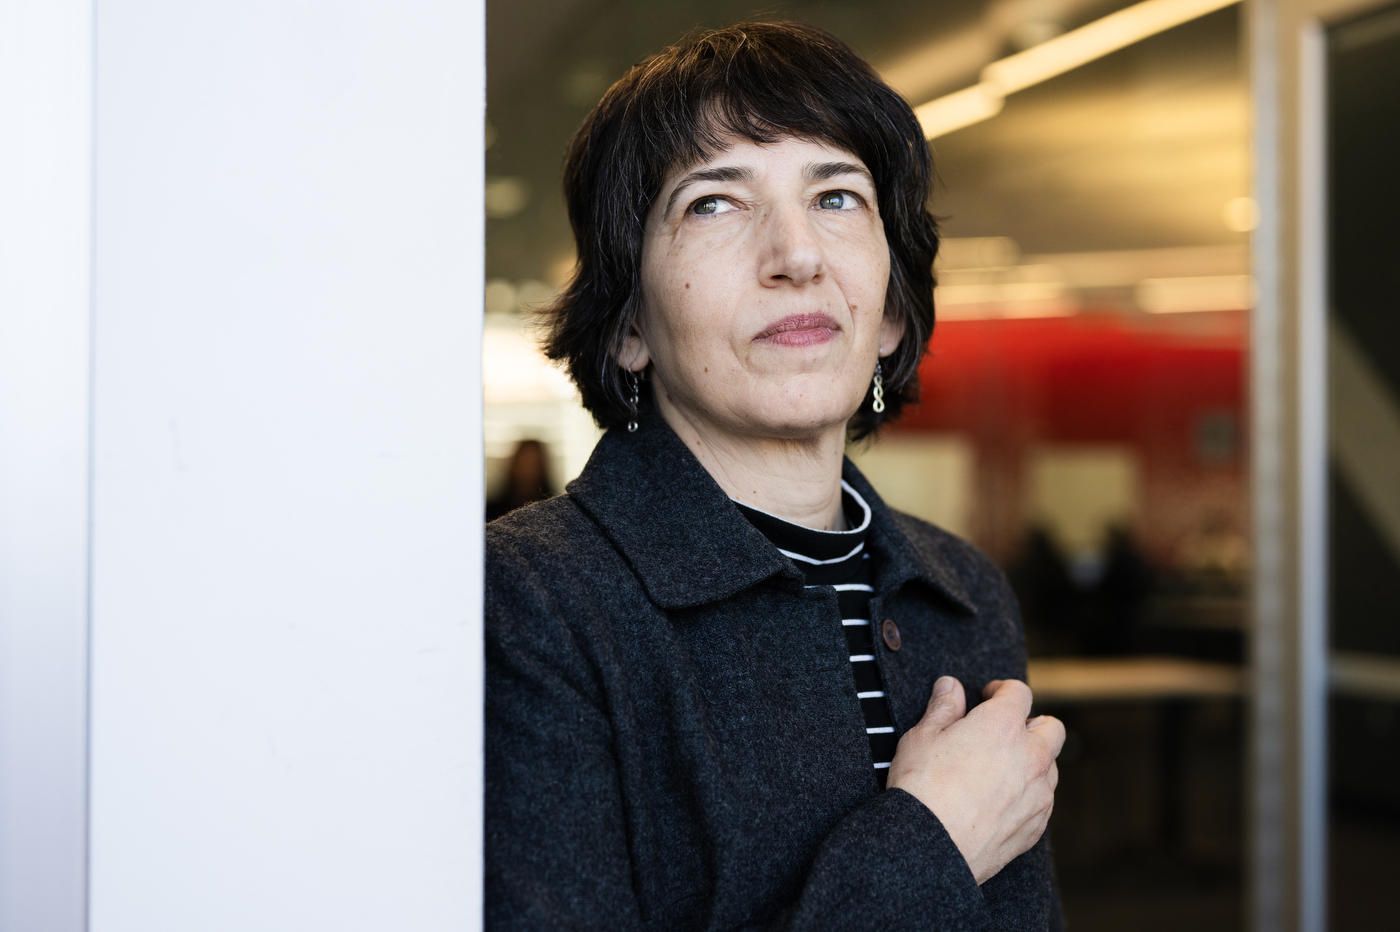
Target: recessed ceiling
(1142, 149)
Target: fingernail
(943, 686)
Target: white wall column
(286, 722)
(248, 267)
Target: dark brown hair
(762, 81)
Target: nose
(791, 252)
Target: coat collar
(690, 545)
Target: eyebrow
(730, 173)
(824, 170)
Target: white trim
(873, 694)
(862, 658)
(805, 559)
(853, 622)
(849, 587)
(881, 730)
(882, 765)
(46, 60)
(865, 521)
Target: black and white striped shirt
(840, 560)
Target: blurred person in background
(1093, 607)
(527, 480)
(727, 686)
(1040, 576)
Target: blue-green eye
(706, 205)
(832, 200)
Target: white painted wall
(927, 475)
(45, 166)
(286, 709)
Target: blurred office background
(1086, 411)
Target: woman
(727, 687)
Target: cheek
(868, 266)
(865, 281)
(696, 294)
(683, 330)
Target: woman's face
(763, 290)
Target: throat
(795, 478)
(800, 489)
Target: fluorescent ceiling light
(1056, 56)
(1099, 38)
(962, 108)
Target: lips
(800, 330)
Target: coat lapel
(902, 562)
(690, 545)
(668, 517)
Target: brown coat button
(890, 632)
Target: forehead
(738, 151)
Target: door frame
(1288, 390)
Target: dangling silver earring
(634, 400)
(879, 405)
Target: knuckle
(1018, 692)
(1042, 759)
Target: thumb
(947, 704)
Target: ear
(891, 332)
(634, 354)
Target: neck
(799, 480)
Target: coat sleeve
(557, 853)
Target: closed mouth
(800, 330)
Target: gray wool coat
(673, 739)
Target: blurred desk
(1168, 683)
(1115, 679)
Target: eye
(714, 204)
(837, 200)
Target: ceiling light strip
(1056, 56)
(961, 108)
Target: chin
(805, 417)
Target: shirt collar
(689, 544)
(810, 545)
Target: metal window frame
(1288, 391)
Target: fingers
(1049, 732)
(1013, 695)
(947, 704)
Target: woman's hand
(988, 775)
